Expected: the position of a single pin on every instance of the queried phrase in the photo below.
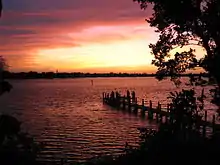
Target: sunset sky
(76, 35)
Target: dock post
(103, 97)
(133, 97)
(128, 93)
(142, 108)
(128, 98)
(129, 103)
(213, 124)
(106, 98)
(135, 106)
(123, 102)
(113, 99)
(204, 125)
(118, 99)
(150, 115)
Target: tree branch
(190, 44)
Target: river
(69, 117)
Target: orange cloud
(32, 34)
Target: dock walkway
(129, 103)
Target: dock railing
(129, 102)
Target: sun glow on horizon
(120, 54)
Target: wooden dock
(129, 103)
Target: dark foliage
(185, 23)
(4, 85)
(0, 7)
(174, 142)
(16, 148)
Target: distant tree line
(51, 75)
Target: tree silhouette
(4, 85)
(0, 7)
(15, 146)
(181, 23)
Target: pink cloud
(30, 25)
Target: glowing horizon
(129, 52)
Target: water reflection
(68, 115)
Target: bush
(16, 148)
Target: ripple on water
(68, 115)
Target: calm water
(68, 115)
